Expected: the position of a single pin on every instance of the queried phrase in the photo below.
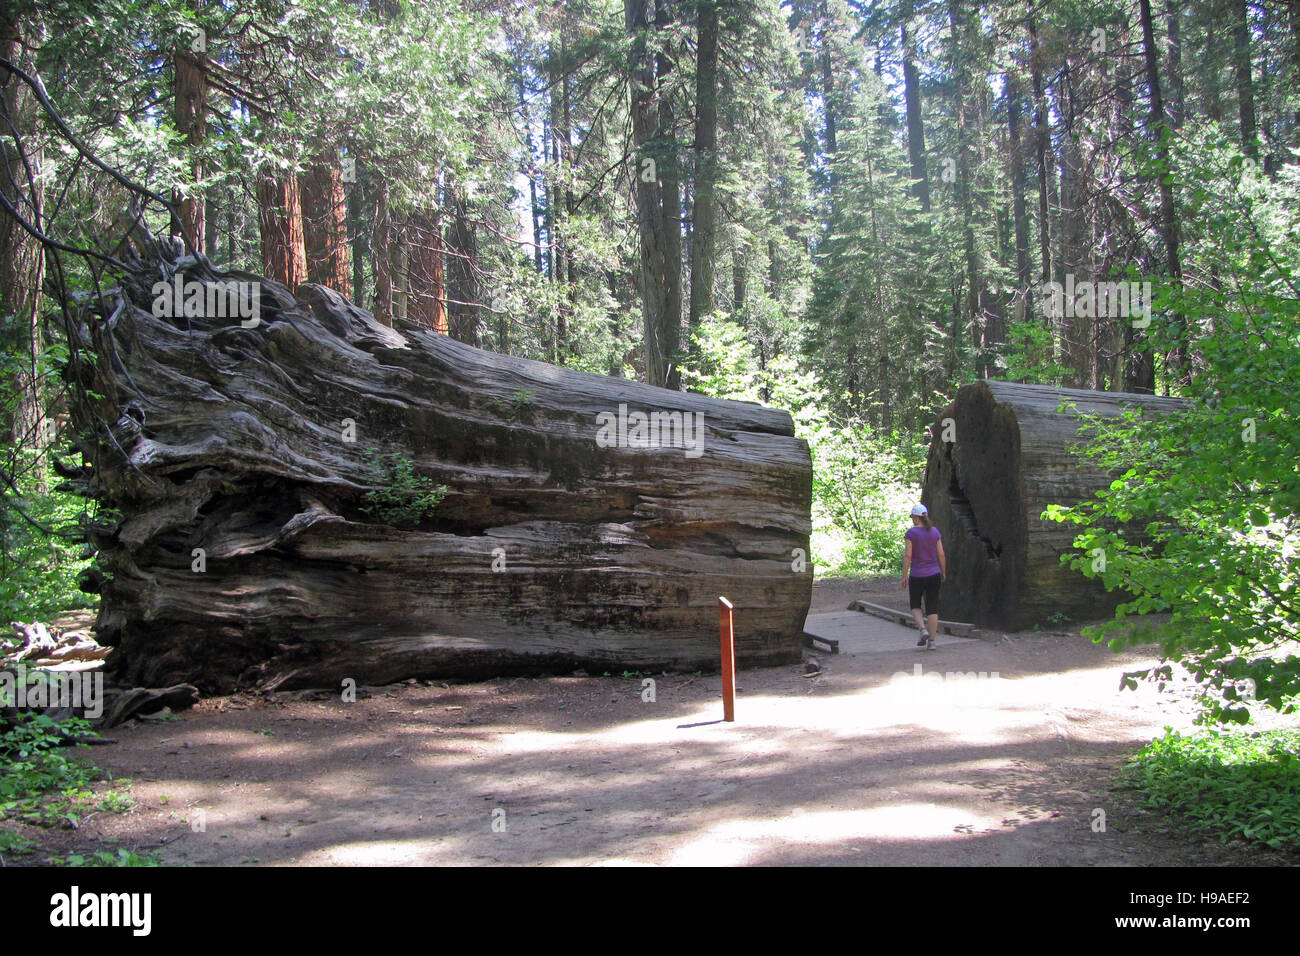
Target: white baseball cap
(919, 510)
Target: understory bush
(1228, 784)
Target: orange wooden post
(727, 634)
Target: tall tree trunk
(360, 236)
(566, 151)
(463, 293)
(672, 204)
(383, 255)
(279, 208)
(547, 199)
(230, 233)
(1245, 83)
(1019, 210)
(190, 114)
(400, 255)
(706, 161)
(995, 330)
(426, 302)
(1076, 329)
(1168, 211)
(530, 170)
(212, 216)
(656, 187)
(830, 103)
(22, 261)
(1042, 134)
(739, 277)
(972, 311)
(915, 120)
(560, 197)
(325, 227)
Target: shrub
(1228, 784)
(402, 499)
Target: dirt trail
(851, 766)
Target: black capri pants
(927, 587)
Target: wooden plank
(812, 640)
(955, 628)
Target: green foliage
(43, 785)
(1031, 356)
(402, 498)
(1228, 784)
(37, 762)
(40, 781)
(38, 571)
(863, 483)
(863, 487)
(115, 801)
(518, 409)
(12, 843)
(123, 857)
(40, 556)
(1201, 519)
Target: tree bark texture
(279, 209)
(22, 260)
(1013, 455)
(553, 549)
(325, 224)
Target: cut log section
(588, 521)
(1009, 454)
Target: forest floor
(843, 767)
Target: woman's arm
(907, 560)
(943, 561)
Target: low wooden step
(812, 640)
(955, 628)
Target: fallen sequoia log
(263, 460)
(999, 455)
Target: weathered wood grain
(231, 440)
(1014, 454)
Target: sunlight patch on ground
(373, 853)
(980, 707)
(736, 842)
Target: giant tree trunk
(427, 296)
(704, 218)
(915, 120)
(1169, 229)
(463, 293)
(279, 210)
(190, 113)
(551, 550)
(325, 223)
(22, 260)
(1245, 83)
(1012, 457)
(658, 196)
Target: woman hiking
(923, 557)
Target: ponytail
(926, 518)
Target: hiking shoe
(925, 636)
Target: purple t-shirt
(925, 550)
